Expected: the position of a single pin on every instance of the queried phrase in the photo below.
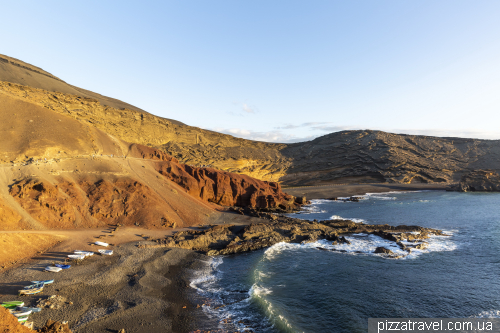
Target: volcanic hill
(65, 163)
(342, 157)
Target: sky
(277, 71)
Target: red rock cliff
(220, 187)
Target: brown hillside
(190, 145)
(17, 71)
(343, 157)
(61, 172)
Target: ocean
(299, 288)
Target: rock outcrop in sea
(229, 239)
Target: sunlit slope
(17, 71)
(58, 172)
(190, 145)
(343, 157)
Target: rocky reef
(229, 239)
(479, 181)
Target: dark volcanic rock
(382, 250)
(228, 239)
(479, 181)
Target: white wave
(311, 209)
(204, 279)
(276, 249)
(380, 196)
(488, 314)
(366, 244)
(257, 290)
(320, 201)
(337, 217)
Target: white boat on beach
(27, 308)
(76, 256)
(43, 282)
(21, 313)
(53, 269)
(106, 252)
(85, 253)
(101, 244)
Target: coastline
(134, 289)
(329, 191)
(137, 289)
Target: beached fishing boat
(85, 253)
(106, 252)
(30, 291)
(63, 266)
(34, 286)
(53, 269)
(22, 319)
(101, 244)
(43, 281)
(21, 313)
(76, 256)
(27, 308)
(12, 304)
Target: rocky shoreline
(231, 239)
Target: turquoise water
(298, 288)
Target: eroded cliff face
(91, 204)
(220, 187)
(479, 181)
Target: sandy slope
(17, 71)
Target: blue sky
(277, 71)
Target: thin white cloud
(242, 109)
(471, 134)
(248, 109)
(269, 136)
(291, 126)
(278, 136)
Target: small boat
(21, 313)
(27, 308)
(76, 256)
(30, 291)
(22, 319)
(12, 304)
(63, 266)
(106, 252)
(85, 253)
(43, 281)
(35, 286)
(53, 269)
(101, 244)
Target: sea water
(299, 288)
